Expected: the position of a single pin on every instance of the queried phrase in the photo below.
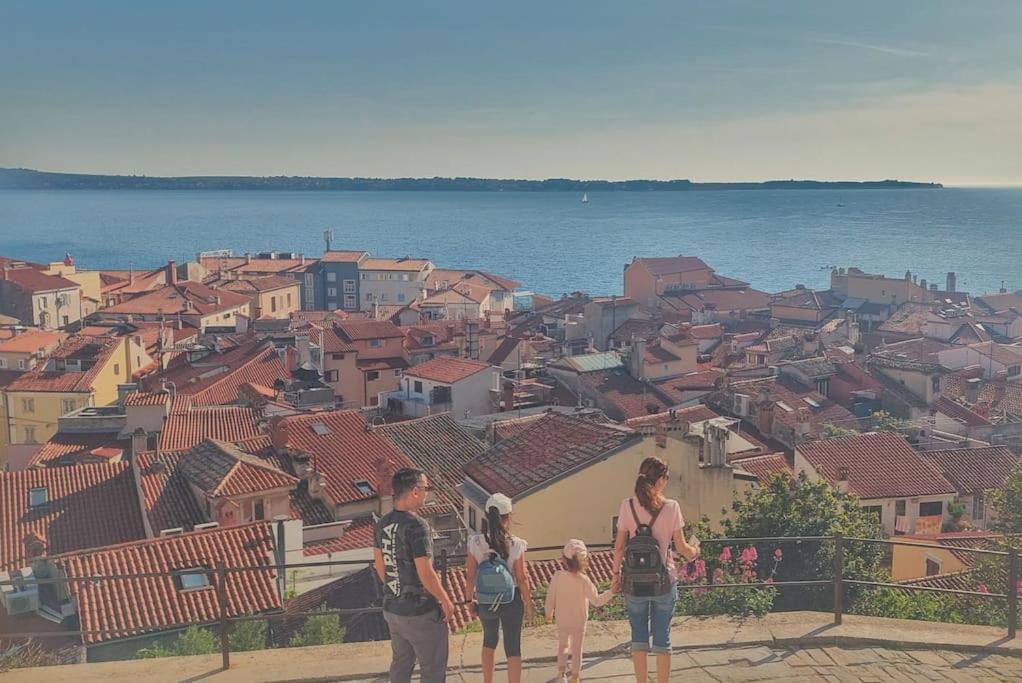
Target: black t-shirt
(402, 537)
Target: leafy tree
(322, 629)
(194, 640)
(883, 421)
(795, 506)
(248, 635)
(832, 431)
(1007, 503)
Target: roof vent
(320, 428)
(206, 526)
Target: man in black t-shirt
(415, 605)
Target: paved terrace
(794, 646)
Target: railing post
(221, 598)
(839, 576)
(1012, 591)
(443, 567)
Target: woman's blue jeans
(652, 614)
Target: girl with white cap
(491, 555)
(568, 597)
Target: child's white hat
(575, 548)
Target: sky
(715, 90)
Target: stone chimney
(508, 399)
(842, 479)
(139, 441)
(384, 485)
(972, 387)
(279, 432)
(171, 272)
(716, 437)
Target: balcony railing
(838, 583)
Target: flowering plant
(741, 574)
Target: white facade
(397, 284)
(968, 356)
(468, 397)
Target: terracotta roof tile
(549, 448)
(88, 506)
(139, 399)
(437, 445)
(697, 413)
(974, 469)
(343, 256)
(959, 413)
(880, 465)
(447, 369)
(358, 534)
(409, 264)
(171, 299)
(185, 428)
(343, 449)
(32, 281)
(130, 607)
(66, 448)
(80, 347)
(670, 265)
(216, 379)
(220, 469)
(626, 397)
(267, 283)
(32, 341)
(763, 466)
(359, 330)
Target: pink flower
(725, 555)
(769, 580)
(778, 554)
(1018, 588)
(718, 575)
(700, 570)
(748, 556)
(982, 588)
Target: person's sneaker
(561, 678)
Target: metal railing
(218, 576)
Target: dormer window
(364, 488)
(193, 578)
(38, 496)
(427, 340)
(374, 343)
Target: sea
(551, 242)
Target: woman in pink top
(568, 598)
(651, 615)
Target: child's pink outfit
(567, 601)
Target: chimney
(3, 270)
(248, 258)
(279, 433)
(972, 387)
(765, 417)
(1003, 289)
(922, 284)
(951, 281)
(717, 437)
(842, 479)
(636, 360)
(508, 401)
(301, 259)
(35, 545)
(139, 440)
(171, 272)
(384, 487)
(908, 275)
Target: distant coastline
(28, 179)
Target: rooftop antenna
(328, 237)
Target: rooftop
(268, 283)
(359, 330)
(448, 369)
(590, 362)
(625, 396)
(671, 265)
(64, 448)
(878, 464)
(764, 466)
(78, 347)
(186, 425)
(343, 256)
(34, 281)
(32, 341)
(407, 264)
(220, 469)
(971, 470)
(184, 297)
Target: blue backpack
(495, 584)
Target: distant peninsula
(28, 179)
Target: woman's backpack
(495, 584)
(643, 573)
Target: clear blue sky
(715, 90)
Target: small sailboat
(585, 197)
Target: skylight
(320, 428)
(785, 407)
(365, 488)
(38, 496)
(193, 578)
(812, 402)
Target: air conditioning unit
(742, 405)
(23, 601)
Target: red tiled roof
(704, 379)
(139, 399)
(393, 264)
(381, 364)
(216, 379)
(626, 397)
(136, 606)
(697, 413)
(959, 413)
(186, 427)
(168, 501)
(723, 299)
(343, 256)
(447, 369)
(358, 534)
(32, 341)
(670, 265)
(880, 465)
(89, 506)
(170, 300)
(64, 448)
(504, 349)
(763, 466)
(974, 469)
(549, 448)
(220, 469)
(79, 346)
(504, 282)
(333, 343)
(267, 283)
(359, 330)
(654, 353)
(437, 445)
(347, 452)
(635, 327)
(31, 280)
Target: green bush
(248, 635)
(194, 640)
(322, 629)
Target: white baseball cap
(499, 501)
(575, 548)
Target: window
(932, 567)
(3, 362)
(66, 320)
(349, 286)
(28, 405)
(401, 297)
(332, 375)
(364, 488)
(374, 343)
(418, 387)
(899, 508)
(337, 356)
(69, 406)
(875, 510)
(192, 579)
(406, 277)
(978, 506)
(273, 304)
(258, 510)
(1014, 370)
(152, 438)
(931, 509)
(331, 292)
(310, 280)
(427, 340)
(935, 383)
(372, 375)
(117, 368)
(320, 428)
(42, 303)
(349, 301)
(331, 277)
(289, 299)
(364, 276)
(38, 496)
(472, 518)
(21, 364)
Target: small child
(568, 598)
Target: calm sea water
(551, 242)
